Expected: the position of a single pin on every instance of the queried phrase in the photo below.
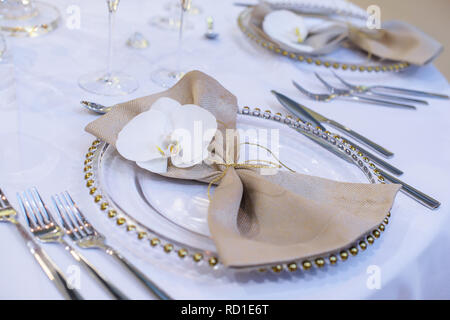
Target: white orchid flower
(169, 130)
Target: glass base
(166, 78)
(116, 84)
(170, 23)
(43, 19)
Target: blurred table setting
(357, 211)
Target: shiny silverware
(95, 107)
(368, 91)
(377, 88)
(44, 228)
(332, 96)
(8, 214)
(410, 191)
(210, 33)
(300, 110)
(86, 236)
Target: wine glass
(166, 77)
(171, 20)
(109, 82)
(27, 17)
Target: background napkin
(396, 40)
(257, 219)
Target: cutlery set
(45, 229)
(360, 93)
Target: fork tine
(77, 230)
(32, 223)
(41, 205)
(303, 90)
(3, 200)
(82, 228)
(326, 84)
(346, 83)
(67, 224)
(34, 209)
(77, 211)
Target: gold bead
(354, 251)
(285, 53)
(344, 255)
(96, 142)
(292, 267)
(197, 257)
(142, 235)
(262, 270)
(301, 58)
(277, 268)
(131, 227)
(333, 259)
(112, 213)
(306, 265)
(336, 65)
(87, 168)
(154, 242)
(98, 198)
(89, 154)
(386, 220)
(182, 253)
(213, 261)
(370, 239)
(389, 214)
(362, 68)
(103, 206)
(121, 221)
(381, 227)
(168, 248)
(363, 245)
(87, 161)
(309, 60)
(327, 64)
(87, 175)
(93, 148)
(92, 190)
(320, 262)
(376, 233)
(90, 183)
(344, 67)
(318, 62)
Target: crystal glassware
(28, 17)
(171, 20)
(109, 82)
(166, 77)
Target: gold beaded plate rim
(395, 66)
(200, 256)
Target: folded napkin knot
(257, 219)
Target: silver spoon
(97, 108)
(210, 33)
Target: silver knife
(296, 109)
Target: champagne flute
(172, 21)
(165, 77)
(109, 82)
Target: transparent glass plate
(172, 213)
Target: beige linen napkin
(256, 219)
(396, 40)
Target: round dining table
(43, 144)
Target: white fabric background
(412, 254)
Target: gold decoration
(112, 213)
(92, 190)
(154, 242)
(344, 255)
(363, 245)
(90, 183)
(277, 268)
(213, 261)
(168, 248)
(353, 251)
(370, 239)
(292, 267)
(182, 253)
(333, 259)
(197, 257)
(142, 235)
(306, 265)
(104, 206)
(98, 198)
(320, 262)
(120, 221)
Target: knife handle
(413, 192)
(361, 138)
(49, 267)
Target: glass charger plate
(170, 215)
(342, 58)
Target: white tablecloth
(411, 256)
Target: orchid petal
(140, 138)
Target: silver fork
(332, 96)
(86, 236)
(9, 214)
(376, 88)
(368, 91)
(43, 227)
(349, 94)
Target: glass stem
(180, 43)
(110, 42)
